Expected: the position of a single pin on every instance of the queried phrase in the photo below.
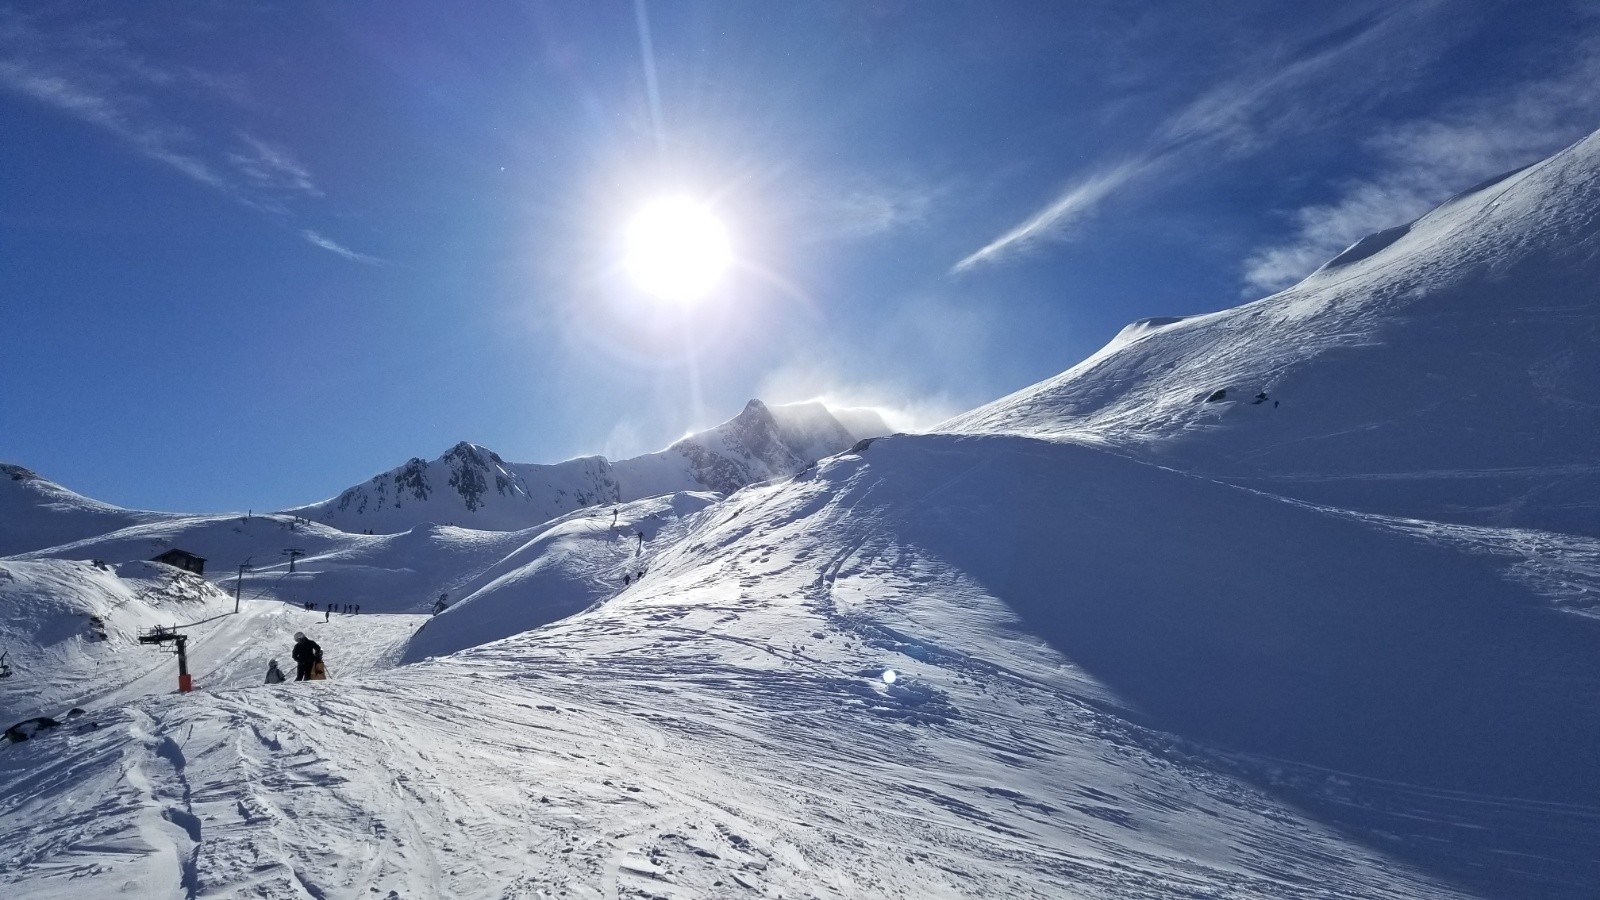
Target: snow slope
(1447, 369)
(564, 567)
(70, 630)
(37, 513)
(1113, 681)
(472, 486)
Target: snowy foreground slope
(1447, 369)
(1115, 681)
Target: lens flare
(889, 676)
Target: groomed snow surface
(1105, 638)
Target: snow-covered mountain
(1093, 641)
(1449, 368)
(472, 486)
(36, 513)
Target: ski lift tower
(159, 635)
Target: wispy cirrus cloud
(333, 246)
(272, 168)
(1075, 203)
(1279, 94)
(91, 73)
(1420, 164)
(154, 141)
(850, 208)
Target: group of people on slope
(307, 655)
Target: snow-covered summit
(1449, 368)
(473, 486)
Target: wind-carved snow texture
(1110, 639)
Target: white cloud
(625, 441)
(1421, 164)
(92, 72)
(806, 381)
(856, 209)
(1055, 220)
(273, 168)
(1235, 117)
(333, 246)
(152, 141)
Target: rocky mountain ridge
(473, 486)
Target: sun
(677, 249)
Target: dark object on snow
(1218, 394)
(5, 667)
(159, 635)
(626, 578)
(1260, 398)
(274, 674)
(29, 728)
(182, 559)
(1274, 404)
(306, 653)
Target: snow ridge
(1460, 351)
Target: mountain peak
(473, 485)
(18, 473)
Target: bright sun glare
(677, 249)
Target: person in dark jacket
(307, 653)
(274, 674)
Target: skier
(307, 653)
(274, 674)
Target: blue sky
(253, 253)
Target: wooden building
(183, 559)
